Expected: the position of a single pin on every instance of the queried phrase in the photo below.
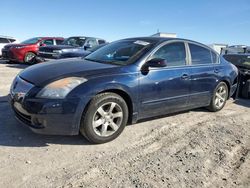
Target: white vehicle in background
(6, 40)
(218, 47)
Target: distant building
(218, 47)
(167, 35)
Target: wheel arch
(127, 99)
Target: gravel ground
(196, 148)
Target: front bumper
(50, 117)
(12, 55)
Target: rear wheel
(29, 58)
(219, 98)
(105, 118)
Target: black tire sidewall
(86, 125)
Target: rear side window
(58, 42)
(12, 40)
(215, 57)
(101, 41)
(174, 54)
(200, 55)
(4, 40)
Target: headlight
(18, 47)
(60, 88)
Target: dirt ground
(196, 148)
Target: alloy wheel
(220, 96)
(107, 119)
(29, 57)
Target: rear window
(200, 55)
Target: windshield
(31, 41)
(121, 52)
(75, 41)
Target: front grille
(23, 117)
(7, 47)
(45, 55)
(45, 49)
(10, 55)
(7, 54)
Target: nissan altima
(125, 81)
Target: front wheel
(105, 118)
(219, 98)
(29, 58)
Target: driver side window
(92, 42)
(174, 54)
(48, 42)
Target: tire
(220, 96)
(29, 58)
(105, 118)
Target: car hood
(14, 45)
(42, 74)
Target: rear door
(165, 89)
(203, 76)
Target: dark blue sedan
(120, 83)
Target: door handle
(216, 71)
(184, 77)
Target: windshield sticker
(140, 42)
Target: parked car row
(41, 49)
(120, 83)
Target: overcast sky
(213, 21)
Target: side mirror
(156, 62)
(42, 44)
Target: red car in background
(26, 51)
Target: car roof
(7, 37)
(86, 37)
(42, 38)
(159, 40)
(162, 39)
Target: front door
(165, 89)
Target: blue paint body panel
(160, 91)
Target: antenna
(158, 30)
